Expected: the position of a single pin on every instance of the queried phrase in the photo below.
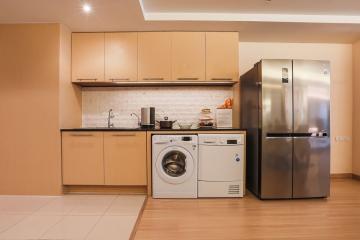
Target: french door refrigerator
(285, 108)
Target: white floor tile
(71, 227)
(113, 227)
(126, 205)
(22, 205)
(92, 205)
(60, 206)
(31, 227)
(7, 221)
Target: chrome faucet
(110, 116)
(138, 119)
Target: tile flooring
(100, 217)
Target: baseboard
(78, 189)
(356, 177)
(341, 175)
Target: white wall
(178, 103)
(340, 56)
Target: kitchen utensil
(166, 124)
(185, 125)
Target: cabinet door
(120, 57)
(82, 158)
(154, 56)
(125, 158)
(222, 56)
(88, 57)
(188, 56)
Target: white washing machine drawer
(221, 163)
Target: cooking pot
(166, 124)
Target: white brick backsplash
(178, 103)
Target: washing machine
(174, 166)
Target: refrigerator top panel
(311, 80)
(276, 96)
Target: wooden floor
(337, 217)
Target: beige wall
(356, 107)
(340, 56)
(70, 94)
(33, 60)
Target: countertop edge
(147, 130)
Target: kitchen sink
(109, 129)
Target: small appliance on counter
(148, 117)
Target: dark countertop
(150, 129)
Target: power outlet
(342, 138)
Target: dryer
(174, 166)
(221, 165)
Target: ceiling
(337, 7)
(128, 15)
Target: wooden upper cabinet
(88, 57)
(125, 158)
(188, 56)
(82, 158)
(121, 57)
(222, 56)
(154, 56)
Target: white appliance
(221, 165)
(174, 166)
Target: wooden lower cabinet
(125, 158)
(82, 158)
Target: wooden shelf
(155, 83)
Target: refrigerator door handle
(278, 135)
(307, 135)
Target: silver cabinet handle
(185, 78)
(222, 79)
(87, 79)
(258, 83)
(153, 78)
(119, 79)
(81, 135)
(124, 135)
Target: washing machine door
(175, 165)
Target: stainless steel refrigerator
(285, 108)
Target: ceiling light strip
(240, 17)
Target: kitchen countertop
(150, 129)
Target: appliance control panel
(221, 139)
(174, 138)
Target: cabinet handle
(153, 79)
(119, 79)
(184, 78)
(222, 79)
(82, 135)
(124, 135)
(87, 79)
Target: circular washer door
(175, 165)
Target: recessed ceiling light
(86, 8)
